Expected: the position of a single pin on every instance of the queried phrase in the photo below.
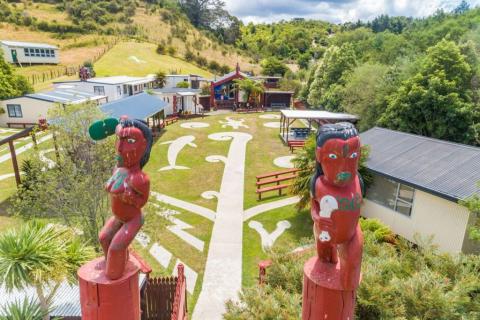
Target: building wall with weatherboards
(30, 110)
(31, 55)
(432, 218)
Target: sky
(336, 11)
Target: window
(14, 111)
(32, 52)
(99, 90)
(391, 194)
(119, 90)
(47, 51)
(42, 52)
(52, 53)
(125, 89)
(37, 52)
(27, 52)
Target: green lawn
(203, 176)
(140, 59)
(156, 227)
(301, 227)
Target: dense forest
(414, 75)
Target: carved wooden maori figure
(331, 278)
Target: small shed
(308, 117)
(142, 106)
(29, 52)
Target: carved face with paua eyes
(131, 145)
(338, 153)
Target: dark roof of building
(449, 170)
(139, 106)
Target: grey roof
(139, 106)
(449, 170)
(27, 44)
(65, 302)
(65, 96)
(175, 90)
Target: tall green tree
(11, 85)
(273, 67)
(42, 256)
(72, 190)
(365, 94)
(437, 101)
(251, 89)
(330, 77)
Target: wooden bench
(275, 177)
(170, 120)
(275, 174)
(21, 124)
(276, 180)
(279, 187)
(245, 110)
(294, 144)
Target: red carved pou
(109, 286)
(331, 278)
(129, 188)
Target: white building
(28, 109)
(29, 52)
(113, 88)
(179, 100)
(418, 182)
(194, 81)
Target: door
(14, 55)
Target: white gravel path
(223, 271)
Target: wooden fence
(60, 71)
(165, 298)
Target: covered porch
(311, 119)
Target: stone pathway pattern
(222, 279)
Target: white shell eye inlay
(332, 156)
(131, 140)
(354, 155)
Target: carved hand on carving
(328, 205)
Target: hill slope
(148, 28)
(140, 59)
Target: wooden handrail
(179, 311)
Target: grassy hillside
(145, 26)
(140, 59)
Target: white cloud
(335, 10)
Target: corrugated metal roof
(140, 106)
(175, 90)
(450, 170)
(317, 114)
(28, 44)
(65, 303)
(121, 80)
(66, 96)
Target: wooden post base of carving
(105, 299)
(323, 296)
